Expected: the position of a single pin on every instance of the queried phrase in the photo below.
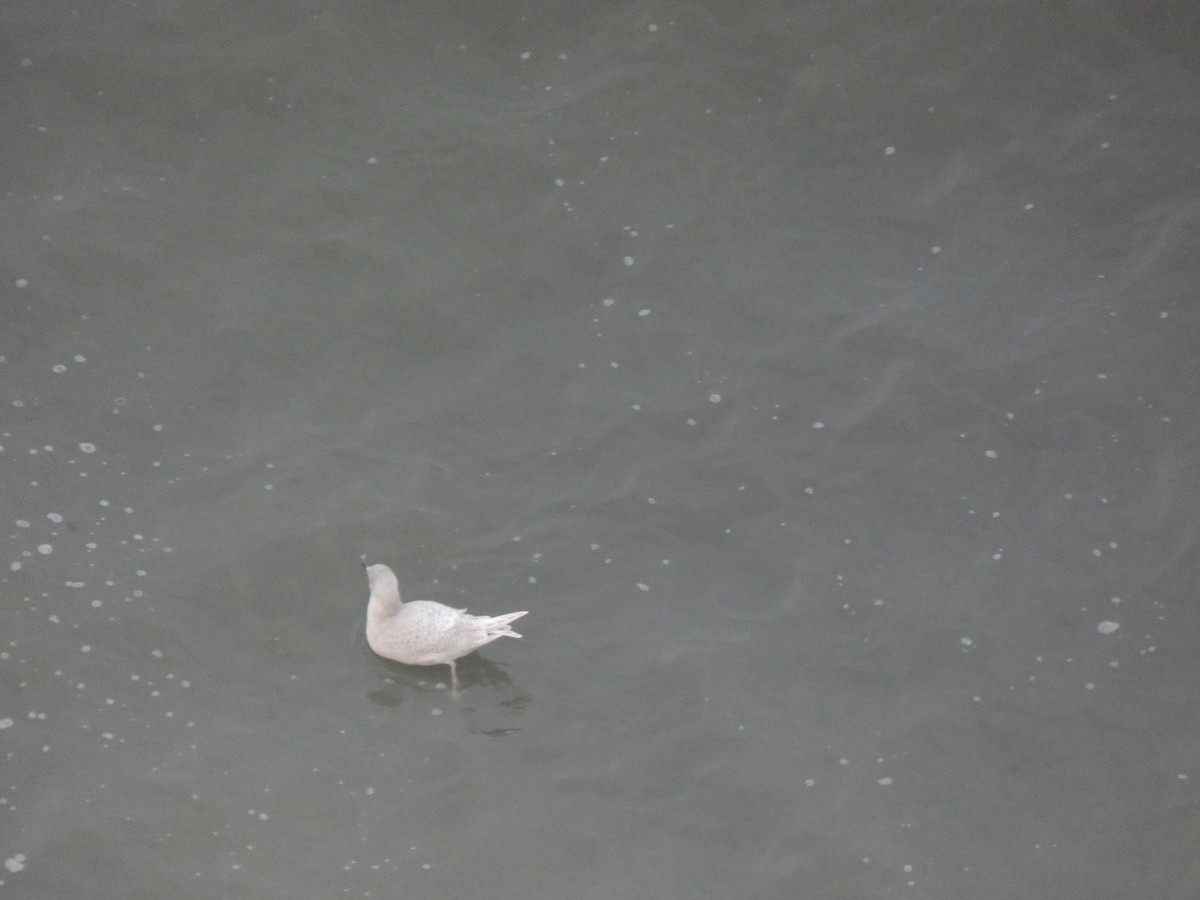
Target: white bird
(423, 632)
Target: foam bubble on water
(628, 260)
(54, 517)
(1107, 626)
(15, 863)
(643, 312)
(45, 549)
(87, 448)
(6, 723)
(58, 369)
(642, 586)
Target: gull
(424, 632)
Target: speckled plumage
(422, 632)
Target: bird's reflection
(488, 699)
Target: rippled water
(821, 378)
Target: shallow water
(820, 377)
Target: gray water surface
(820, 376)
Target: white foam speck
(966, 641)
(45, 549)
(15, 863)
(642, 587)
(526, 55)
(58, 369)
(87, 448)
(888, 151)
(628, 260)
(990, 454)
(6, 723)
(818, 425)
(714, 398)
(55, 518)
(885, 781)
(1107, 627)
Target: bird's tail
(497, 626)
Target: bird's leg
(453, 678)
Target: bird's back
(425, 633)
